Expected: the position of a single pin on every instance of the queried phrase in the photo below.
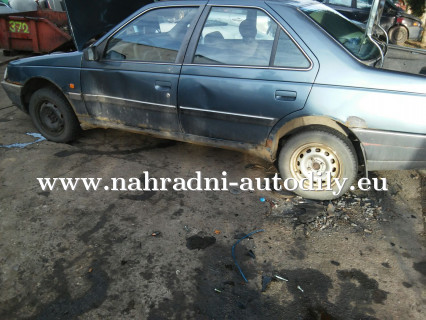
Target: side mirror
(92, 54)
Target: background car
(400, 25)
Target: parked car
(399, 25)
(291, 82)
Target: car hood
(90, 19)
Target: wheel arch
(37, 83)
(311, 123)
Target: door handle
(284, 95)
(163, 85)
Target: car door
(134, 83)
(242, 73)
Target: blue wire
(233, 252)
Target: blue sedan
(291, 82)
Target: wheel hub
(317, 160)
(51, 118)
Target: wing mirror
(92, 53)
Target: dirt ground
(93, 255)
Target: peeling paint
(23, 145)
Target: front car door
(134, 83)
(242, 73)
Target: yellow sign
(18, 26)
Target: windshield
(351, 36)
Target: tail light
(399, 20)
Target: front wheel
(327, 159)
(53, 116)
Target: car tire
(398, 35)
(318, 151)
(53, 116)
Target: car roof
(294, 3)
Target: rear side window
(344, 31)
(245, 37)
(288, 54)
(156, 36)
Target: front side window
(156, 36)
(344, 31)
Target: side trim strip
(75, 96)
(390, 133)
(102, 98)
(228, 113)
(229, 117)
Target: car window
(351, 36)
(288, 55)
(364, 4)
(236, 36)
(156, 36)
(344, 3)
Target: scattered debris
(266, 281)
(298, 287)
(280, 278)
(186, 228)
(251, 254)
(320, 215)
(90, 270)
(217, 232)
(233, 251)
(217, 290)
(156, 233)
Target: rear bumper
(14, 93)
(386, 150)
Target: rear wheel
(322, 155)
(53, 116)
(398, 35)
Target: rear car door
(135, 81)
(242, 73)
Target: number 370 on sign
(17, 26)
